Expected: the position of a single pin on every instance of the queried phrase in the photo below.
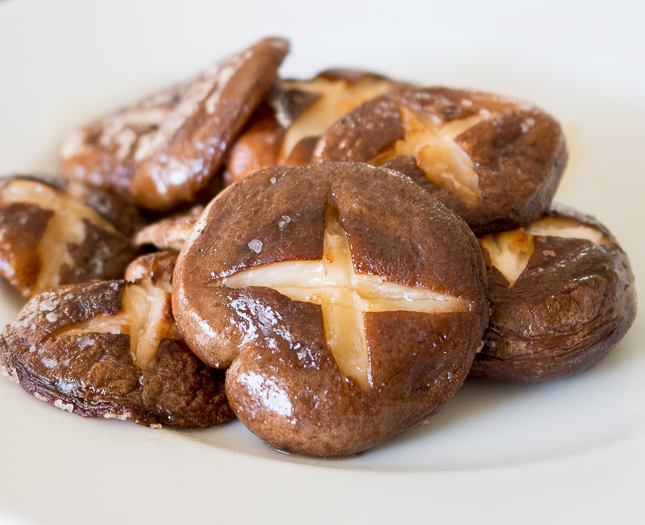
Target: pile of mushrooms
(375, 244)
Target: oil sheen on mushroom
(344, 296)
(347, 303)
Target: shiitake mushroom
(325, 366)
(56, 232)
(111, 349)
(347, 302)
(168, 147)
(493, 160)
(562, 295)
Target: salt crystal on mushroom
(49, 363)
(256, 245)
(284, 221)
(49, 305)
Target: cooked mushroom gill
(337, 97)
(510, 251)
(344, 296)
(432, 144)
(65, 228)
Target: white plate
(564, 452)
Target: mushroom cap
(495, 161)
(288, 380)
(169, 146)
(80, 348)
(58, 232)
(568, 300)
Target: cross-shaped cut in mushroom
(344, 296)
(494, 161)
(111, 349)
(146, 317)
(432, 144)
(51, 236)
(562, 295)
(345, 301)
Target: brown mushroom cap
(170, 232)
(57, 232)
(111, 349)
(169, 146)
(300, 377)
(286, 129)
(494, 161)
(562, 296)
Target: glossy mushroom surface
(165, 149)
(111, 349)
(561, 294)
(347, 302)
(56, 232)
(495, 161)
